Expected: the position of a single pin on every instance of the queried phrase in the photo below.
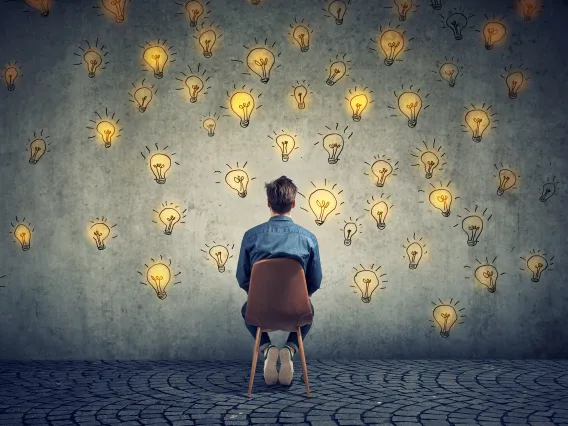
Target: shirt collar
(280, 218)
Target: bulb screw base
(471, 243)
(101, 247)
(107, 144)
(446, 214)
(33, 161)
(192, 23)
(26, 247)
(332, 160)
(264, 80)
(534, 279)
(91, 74)
(339, 21)
(512, 95)
(304, 48)
(319, 222)
(193, 99)
(141, 109)
(411, 123)
(356, 118)
(389, 62)
(381, 226)
(285, 157)
(158, 74)
(11, 87)
(161, 181)
(500, 191)
(491, 289)
(243, 194)
(167, 232)
(444, 334)
(162, 295)
(428, 175)
(412, 266)
(380, 184)
(476, 139)
(221, 269)
(366, 299)
(301, 105)
(347, 242)
(244, 123)
(330, 82)
(207, 54)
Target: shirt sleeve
(313, 270)
(243, 266)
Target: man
(279, 237)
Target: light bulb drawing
(142, 95)
(367, 281)
(515, 79)
(507, 178)
(449, 70)
(237, 179)
(415, 251)
(210, 123)
(10, 74)
(349, 230)
(431, 159)
(42, 6)
(98, 231)
(478, 120)
(441, 198)
(301, 34)
(410, 104)
(220, 254)
(116, 9)
(243, 104)
(402, 7)
(457, 20)
(485, 274)
(493, 31)
(529, 8)
(194, 10)
(38, 147)
(391, 43)
(323, 201)
(381, 169)
(548, 189)
(436, 4)
(338, 68)
(106, 128)
(93, 58)
(157, 57)
(333, 141)
(159, 162)
(195, 82)
(536, 263)
(261, 59)
(168, 215)
(300, 93)
(159, 275)
(22, 232)
(472, 224)
(208, 37)
(446, 316)
(358, 100)
(379, 210)
(336, 9)
(285, 142)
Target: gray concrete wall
(63, 298)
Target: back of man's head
(281, 194)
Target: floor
(343, 393)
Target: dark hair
(281, 193)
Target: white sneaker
(270, 371)
(286, 366)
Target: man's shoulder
(310, 235)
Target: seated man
(279, 237)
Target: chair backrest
(278, 295)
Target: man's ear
(293, 203)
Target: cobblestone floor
(434, 393)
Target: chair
(278, 300)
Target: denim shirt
(280, 237)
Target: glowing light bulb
(260, 61)
(528, 7)
(379, 212)
(336, 71)
(159, 276)
(337, 9)
(195, 10)
(349, 230)
(514, 82)
(156, 57)
(333, 144)
(143, 97)
(430, 161)
(322, 202)
(442, 200)
(403, 8)
(242, 104)
(358, 103)
(410, 104)
(37, 149)
(302, 37)
(220, 254)
(286, 143)
(367, 282)
(10, 75)
(457, 22)
(209, 125)
(41, 6)
(195, 85)
(478, 121)
(445, 316)
(160, 164)
(392, 43)
(23, 235)
(381, 169)
(449, 72)
(537, 264)
(116, 7)
(506, 180)
(473, 227)
(106, 130)
(93, 60)
(207, 40)
(238, 180)
(300, 93)
(548, 190)
(487, 275)
(169, 217)
(493, 32)
(99, 232)
(414, 253)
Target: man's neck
(278, 214)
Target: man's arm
(313, 270)
(244, 267)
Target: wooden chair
(278, 300)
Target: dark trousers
(265, 339)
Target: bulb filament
(157, 280)
(489, 275)
(412, 107)
(23, 238)
(159, 167)
(442, 199)
(157, 59)
(393, 45)
(239, 180)
(334, 147)
(262, 63)
(477, 121)
(322, 205)
(244, 107)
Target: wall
(65, 299)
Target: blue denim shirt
(280, 237)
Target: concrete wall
(63, 298)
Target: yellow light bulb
(478, 121)
(286, 143)
(10, 75)
(349, 230)
(302, 37)
(514, 82)
(381, 169)
(333, 144)
(220, 254)
(116, 7)
(157, 58)
(143, 97)
(403, 8)
(159, 276)
(430, 161)
(300, 93)
(410, 104)
(358, 103)
(367, 282)
(449, 72)
(528, 7)
(207, 40)
(99, 233)
(336, 71)
(238, 180)
(487, 275)
(195, 85)
(445, 316)
(493, 32)
(37, 149)
(93, 61)
(337, 9)
(41, 6)
(392, 43)
(473, 227)
(537, 264)
(169, 217)
(23, 235)
(442, 200)
(414, 253)
(195, 10)
(379, 212)
(260, 61)
(106, 130)
(506, 180)
(160, 164)
(322, 202)
(209, 124)
(242, 104)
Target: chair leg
(254, 359)
(304, 366)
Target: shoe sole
(270, 371)
(286, 368)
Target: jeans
(292, 340)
